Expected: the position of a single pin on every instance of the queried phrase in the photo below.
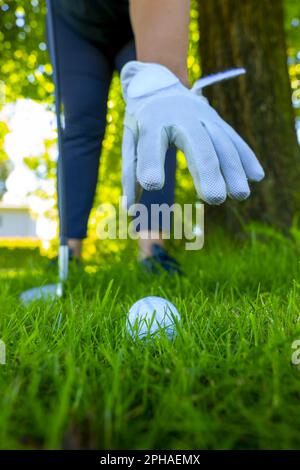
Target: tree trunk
(250, 33)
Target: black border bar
(144, 458)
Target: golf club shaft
(61, 173)
(58, 107)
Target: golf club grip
(61, 173)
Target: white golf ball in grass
(150, 316)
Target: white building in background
(16, 221)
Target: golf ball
(150, 316)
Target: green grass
(73, 379)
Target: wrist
(184, 78)
(179, 70)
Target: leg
(152, 234)
(85, 80)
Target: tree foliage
(24, 61)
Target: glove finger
(151, 153)
(252, 167)
(203, 163)
(129, 167)
(231, 166)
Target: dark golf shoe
(160, 261)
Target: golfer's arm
(161, 29)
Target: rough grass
(73, 378)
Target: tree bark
(250, 33)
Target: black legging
(85, 75)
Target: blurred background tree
(25, 71)
(259, 106)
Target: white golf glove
(161, 112)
